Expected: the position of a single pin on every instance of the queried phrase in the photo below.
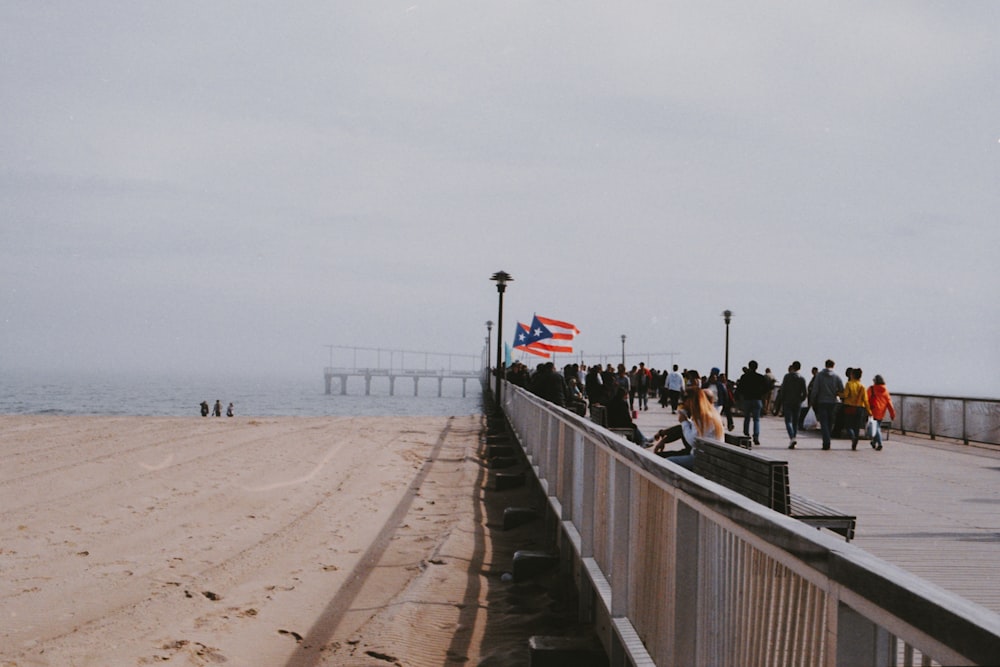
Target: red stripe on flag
(550, 348)
(557, 323)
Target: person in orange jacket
(880, 402)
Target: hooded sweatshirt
(880, 401)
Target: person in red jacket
(880, 402)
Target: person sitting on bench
(698, 418)
(619, 415)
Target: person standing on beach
(217, 411)
(204, 408)
(229, 411)
(827, 387)
(879, 401)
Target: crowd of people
(835, 405)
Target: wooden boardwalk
(930, 507)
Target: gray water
(180, 395)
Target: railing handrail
(602, 487)
(956, 417)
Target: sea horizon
(179, 394)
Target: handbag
(870, 428)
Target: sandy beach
(282, 541)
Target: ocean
(179, 395)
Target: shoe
(792, 446)
(756, 442)
(879, 448)
(873, 446)
(854, 444)
(825, 447)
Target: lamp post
(489, 341)
(728, 314)
(501, 278)
(623, 349)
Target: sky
(234, 186)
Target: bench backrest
(743, 441)
(599, 414)
(756, 476)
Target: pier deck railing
(675, 570)
(957, 418)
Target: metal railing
(965, 419)
(676, 570)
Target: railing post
(621, 515)
(587, 460)
(965, 411)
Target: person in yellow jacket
(879, 401)
(856, 407)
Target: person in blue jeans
(793, 393)
(827, 388)
(751, 388)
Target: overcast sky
(231, 186)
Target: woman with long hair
(705, 418)
(698, 418)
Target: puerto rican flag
(545, 335)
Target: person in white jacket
(698, 418)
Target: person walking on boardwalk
(826, 390)
(879, 401)
(856, 409)
(727, 406)
(793, 393)
(641, 384)
(674, 385)
(751, 387)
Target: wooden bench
(627, 433)
(599, 414)
(765, 480)
(744, 441)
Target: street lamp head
(501, 278)
(489, 325)
(623, 338)
(728, 314)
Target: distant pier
(331, 373)
(388, 365)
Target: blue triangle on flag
(538, 331)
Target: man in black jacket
(752, 387)
(549, 384)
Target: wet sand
(267, 541)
